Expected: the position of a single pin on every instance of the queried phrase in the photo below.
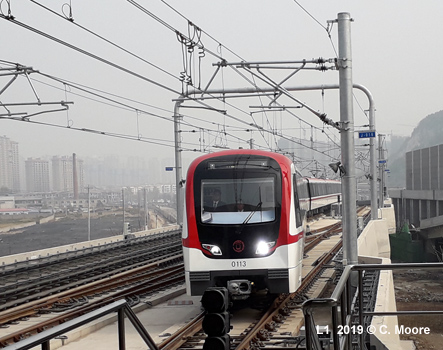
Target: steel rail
(183, 334)
(275, 314)
(149, 286)
(29, 309)
(330, 230)
(280, 307)
(27, 286)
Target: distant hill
(429, 132)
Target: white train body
(244, 223)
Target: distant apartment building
(115, 170)
(63, 174)
(37, 175)
(167, 188)
(9, 164)
(7, 202)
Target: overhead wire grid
(225, 128)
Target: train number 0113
(238, 263)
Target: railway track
(33, 280)
(265, 331)
(79, 297)
(137, 268)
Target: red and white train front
(243, 227)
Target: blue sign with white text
(169, 168)
(366, 134)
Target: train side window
(296, 202)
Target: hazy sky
(396, 48)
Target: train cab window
(237, 201)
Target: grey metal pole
(123, 200)
(372, 153)
(139, 199)
(89, 215)
(380, 170)
(372, 156)
(349, 184)
(178, 163)
(145, 202)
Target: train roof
(317, 180)
(280, 158)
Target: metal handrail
(121, 307)
(342, 308)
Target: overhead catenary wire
(137, 109)
(255, 126)
(73, 85)
(94, 131)
(119, 104)
(113, 103)
(328, 30)
(127, 51)
(210, 36)
(71, 20)
(170, 27)
(90, 54)
(310, 15)
(96, 57)
(258, 90)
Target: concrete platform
(160, 320)
(315, 253)
(322, 223)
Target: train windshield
(238, 201)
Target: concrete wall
(374, 248)
(47, 219)
(16, 227)
(37, 219)
(388, 213)
(374, 240)
(417, 206)
(7, 202)
(384, 326)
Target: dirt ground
(70, 230)
(421, 290)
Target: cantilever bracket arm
(62, 103)
(27, 117)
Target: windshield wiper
(257, 207)
(251, 214)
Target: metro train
(316, 195)
(245, 213)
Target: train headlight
(264, 248)
(213, 249)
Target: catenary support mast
(178, 163)
(348, 124)
(349, 184)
